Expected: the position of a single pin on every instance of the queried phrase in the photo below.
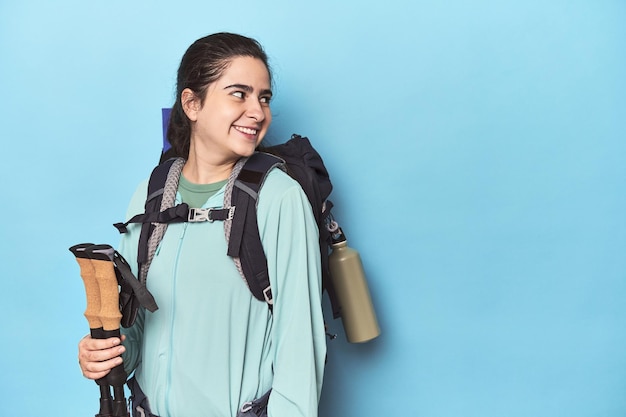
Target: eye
(265, 99)
(238, 94)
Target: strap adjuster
(267, 294)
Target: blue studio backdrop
(477, 150)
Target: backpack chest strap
(179, 214)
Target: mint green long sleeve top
(211, 346)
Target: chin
(244, 153)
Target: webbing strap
(144, 296)
(242, 233)
(249, 249)
(182, 213)
(174, 214)
(250, 176)
(238, 225)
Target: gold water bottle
(357, 311)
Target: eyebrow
(249, 89)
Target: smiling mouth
(246, 130)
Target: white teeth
(246, 130)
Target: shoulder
(278, 185)
(277, 179)
(282, 197)
(138, 200)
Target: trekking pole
(92, 313)
(103, 315)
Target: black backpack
(297, 157)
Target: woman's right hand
(97, 357)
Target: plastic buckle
(267, 294)
(199, 215)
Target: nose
(255, 110)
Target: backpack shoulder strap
(161, 196)
(242, 231)
(162, 188)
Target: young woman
(211, 346)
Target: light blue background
(478, 154)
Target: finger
(90, 344)
(96, 370)
(95, 375)
(87, 356)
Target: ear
(190, 103)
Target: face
(235, 114)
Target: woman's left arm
(291, 241)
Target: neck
(201, 168)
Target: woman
(211, 346)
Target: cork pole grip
(110, 315)
(92, 290)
